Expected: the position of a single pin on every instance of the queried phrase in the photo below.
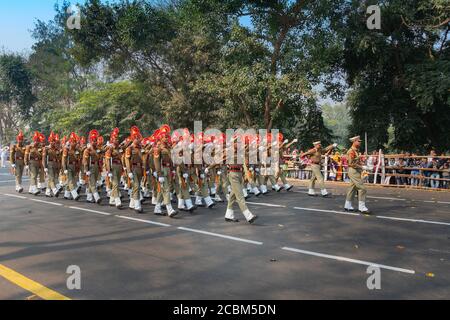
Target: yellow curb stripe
(30, 285)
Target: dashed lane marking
(344, 259)
(47, 202)
(328, 211)
(414, 220)
(145, 221)
(92, 211)
(266, 204)
(220, 235)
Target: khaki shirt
(316, 154)
(354, 158)
(17, 154)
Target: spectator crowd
(407, 169)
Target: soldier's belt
(116, 162)
(95, 162)
(35, 159)
(166, 164)
(73, 163)
(135, 164)
(19, 158)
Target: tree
(400, 75)
(337, 119)
(16, 96)
(122, 104)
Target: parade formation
(145, 169)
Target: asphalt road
(299, 248)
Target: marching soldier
(282, 172)
(316, 154)
(51, 162)
(91, 166)
(71, 163)
(135, 169)
(236, 178)
(33, 162)
(113, 163)
(17, 160)
(163, 164)
(355, 169)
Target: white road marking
(414, 220)
(328, 211)
(220, 235)
(88, 210)
(445, 202)
(266, 204)
(145, 221)
(338, 258)
(9, 181)
(386, 198)
(15, 196)
(48, 202)
(381, 217)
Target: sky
(17, 19)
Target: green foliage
(16, 96)
(121, 104)
(400, 75)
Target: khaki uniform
(51, 160)
(354, 173)
(163, 168)
(316, 160)
(135, 164)
(33, 159)
(235, 178)
(17, 158)
(91, 164)
(114, 166)
(71, 163)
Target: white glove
(285, 141)
(66, 172)
(206, 170)
(257, 169)
(13, 166)
(27, 167)
(261, 148)
(202, 176)
(295, 140)
(88, 173)
(130, 175)
(365, 168)
(186, 176)
(46, 170)
(251, 168)
(147, 172)
(110, 175)
(155, 174)
(191, 146)
(161, 179)
(335, 145)
(219, 173)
